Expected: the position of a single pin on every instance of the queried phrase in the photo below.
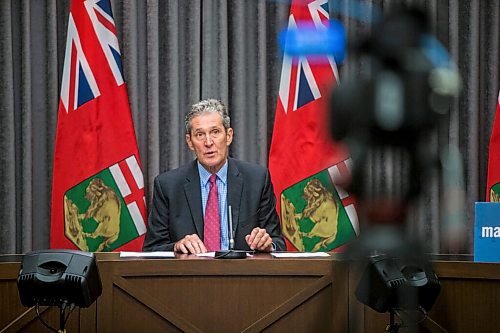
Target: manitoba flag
(98, 201)
(493, 183)
(305, 165)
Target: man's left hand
(259, 240)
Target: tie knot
(213, 178)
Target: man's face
(209, 140)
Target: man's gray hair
(210, 105)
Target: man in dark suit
(189, 211)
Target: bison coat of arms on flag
(315, 217)
(98, 214)
(495, 193)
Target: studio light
(63, 278)
(396, 285)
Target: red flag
(304, 163)
(493, 183)
(98, 201)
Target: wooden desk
(252, 295)
(206, 295)
(201, 295)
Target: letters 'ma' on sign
(487, 232)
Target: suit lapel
(192, 190)
(234, 190)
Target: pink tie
(211, 228)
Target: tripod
(392, 327)
(63, 318)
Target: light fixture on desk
(63, 278)
(398, 285)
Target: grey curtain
(176, 52)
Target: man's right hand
(190, 244)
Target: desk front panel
(205, 295)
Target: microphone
(231, 253)
(231, 234)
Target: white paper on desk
(156, 254)
(206, 254)
(299, 254)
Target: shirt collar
(205, 174)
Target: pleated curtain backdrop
(176, 52)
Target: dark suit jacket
(176, 209)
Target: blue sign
(487, 232)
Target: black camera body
(398, 102)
